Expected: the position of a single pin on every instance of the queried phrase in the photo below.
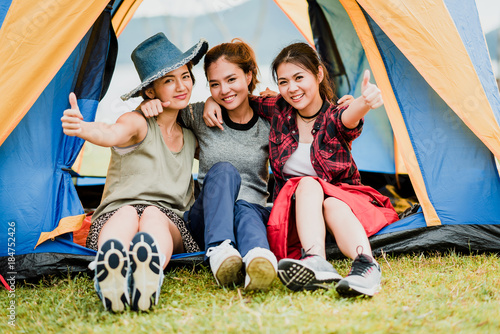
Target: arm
(370, 98)
(127, 130)
(212, 114)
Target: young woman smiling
(228, 219)
(317, 184)
(136, 209)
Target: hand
(212, 114)
(345, 101)
(152, 108)
(72, 118)
(268, 93)
(371, 93)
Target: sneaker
(309, 273)
(260, 268)
(363, 279)
(111, 268)
(225, 262)
(146, 265)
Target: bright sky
(489, 14)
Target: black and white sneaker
(147, 272)
(309, 273)
(363, 279)
(111, 275)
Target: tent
(439, 124)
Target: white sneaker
(260, 266)
(225, 262)
(111, 267)
(146, 264)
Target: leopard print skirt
(190, 245)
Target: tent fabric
(38, 195)
(428, 57)
(36, 32)
(453, 78)
(392, 107)
(297, 12)
(122, 14)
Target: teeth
(228, 98)
(297, 97)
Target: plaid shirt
(331, 147)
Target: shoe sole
(345, 289)
(261, 273)
(229, 271)
(296, 276)
(111, 273)
(146, 271)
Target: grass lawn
(420, 294)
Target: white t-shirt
(299, 163)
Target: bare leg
(166, 234)
(309, 216)
(346, 228)
(122, 226)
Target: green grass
(420, 294)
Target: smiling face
(176, 86)
(300, 87)
(228, 84)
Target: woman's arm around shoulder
(129, 129)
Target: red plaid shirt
(331, 147)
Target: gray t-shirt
(245, 146)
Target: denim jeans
(217, 215)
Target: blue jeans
(217, 215)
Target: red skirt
(372, 209)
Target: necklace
(308, 121)
(309, 117)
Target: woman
(136, 209)
(229, 217)
(316, 177)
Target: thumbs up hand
(370, 92)
(72, 118)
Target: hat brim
(193, 55)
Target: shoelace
(361, 266)
(304, 253)
(225, 244)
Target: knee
(223, 170)
(308, 185)
(127, 210)
(223, 167)
(331, 205)
(152, 215)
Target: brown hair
(303, 55)
(150, 85)
(236, 52)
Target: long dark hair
(303, 55)
(236, 52)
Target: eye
(214, 85)
(168, 80)
(187, 76)
(231, 80)
(299, 77)
(282, 82)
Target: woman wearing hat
(149, 183)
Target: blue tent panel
(458, 169)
